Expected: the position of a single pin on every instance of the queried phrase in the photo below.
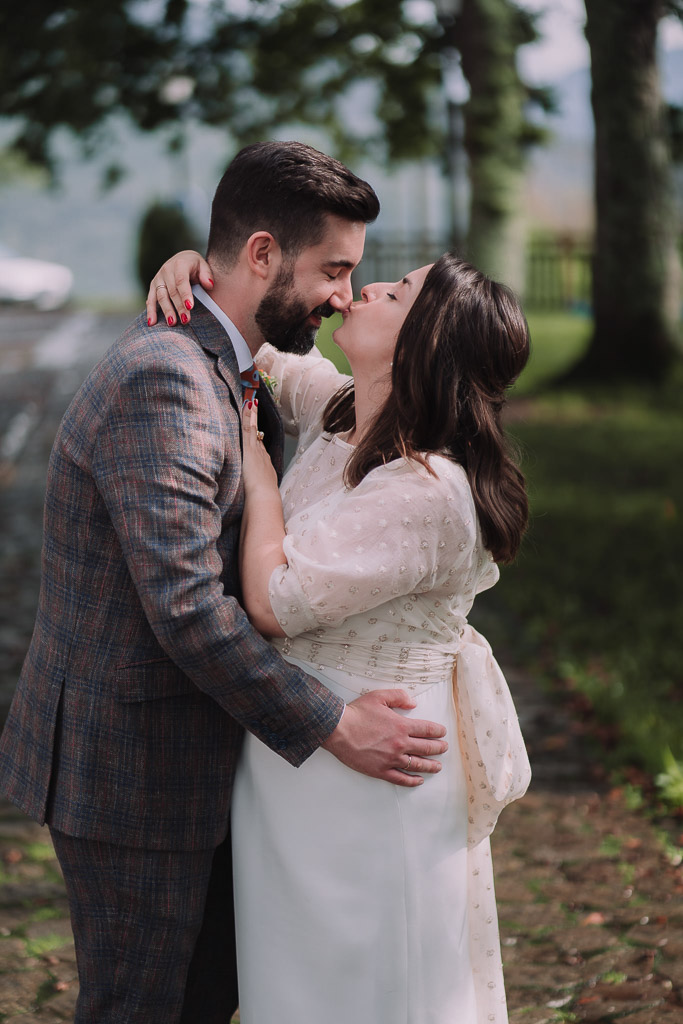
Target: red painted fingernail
(248, 405)
(256, 401)
(149, 321)
(188, 304)
(211, 282)
(171, 321)
(183, 318)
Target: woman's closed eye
(391, 295)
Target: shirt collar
(244, 356)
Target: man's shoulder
(141, 348)
(159, 339)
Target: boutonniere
(268, 381)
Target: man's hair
(288, 189)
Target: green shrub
(164, 230)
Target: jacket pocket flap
(151, 680)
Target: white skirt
(353, 896)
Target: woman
(357, 900)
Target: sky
(564, 47)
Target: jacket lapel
(270, 422)
(212, 337)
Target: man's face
(315, 284)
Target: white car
(43, 285)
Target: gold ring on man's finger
(410, 761)
(259, 435)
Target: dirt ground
(590, 898)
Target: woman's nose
(371, 291)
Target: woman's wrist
(260, 494)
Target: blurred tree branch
(72, 64)
(369, 72)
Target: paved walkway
(590, 900)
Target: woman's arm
(263, 527)
(399, 532)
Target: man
(143, 670)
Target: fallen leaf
(596, 917)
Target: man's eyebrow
(340, 263)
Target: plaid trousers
(154, 932)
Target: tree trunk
(636, 269)
(488, 36)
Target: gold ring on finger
(410, 761)
(259, 435)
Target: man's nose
(342, 296)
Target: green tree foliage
(71, 63)
(312, 58)
(74, 62)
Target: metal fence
(558, 267)
(558, 273)
(389, 258)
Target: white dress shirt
(244, 356)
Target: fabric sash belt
(493, 751)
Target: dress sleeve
(399, 531)
(302, 385)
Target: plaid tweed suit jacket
(143, 669)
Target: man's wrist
(337, 733)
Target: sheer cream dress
(360, 902)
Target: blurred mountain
(95, 232)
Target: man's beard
(283, 319)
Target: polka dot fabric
(379, 582)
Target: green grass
(326, 343)
(595, 599)
(557, 340)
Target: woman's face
(370, 329)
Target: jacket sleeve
(157, 462)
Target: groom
(143, 670)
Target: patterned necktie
(250, 383)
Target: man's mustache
(325, 310)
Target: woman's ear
(263, 254)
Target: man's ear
(263, 254)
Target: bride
(356, 900)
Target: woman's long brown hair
(464, 342)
